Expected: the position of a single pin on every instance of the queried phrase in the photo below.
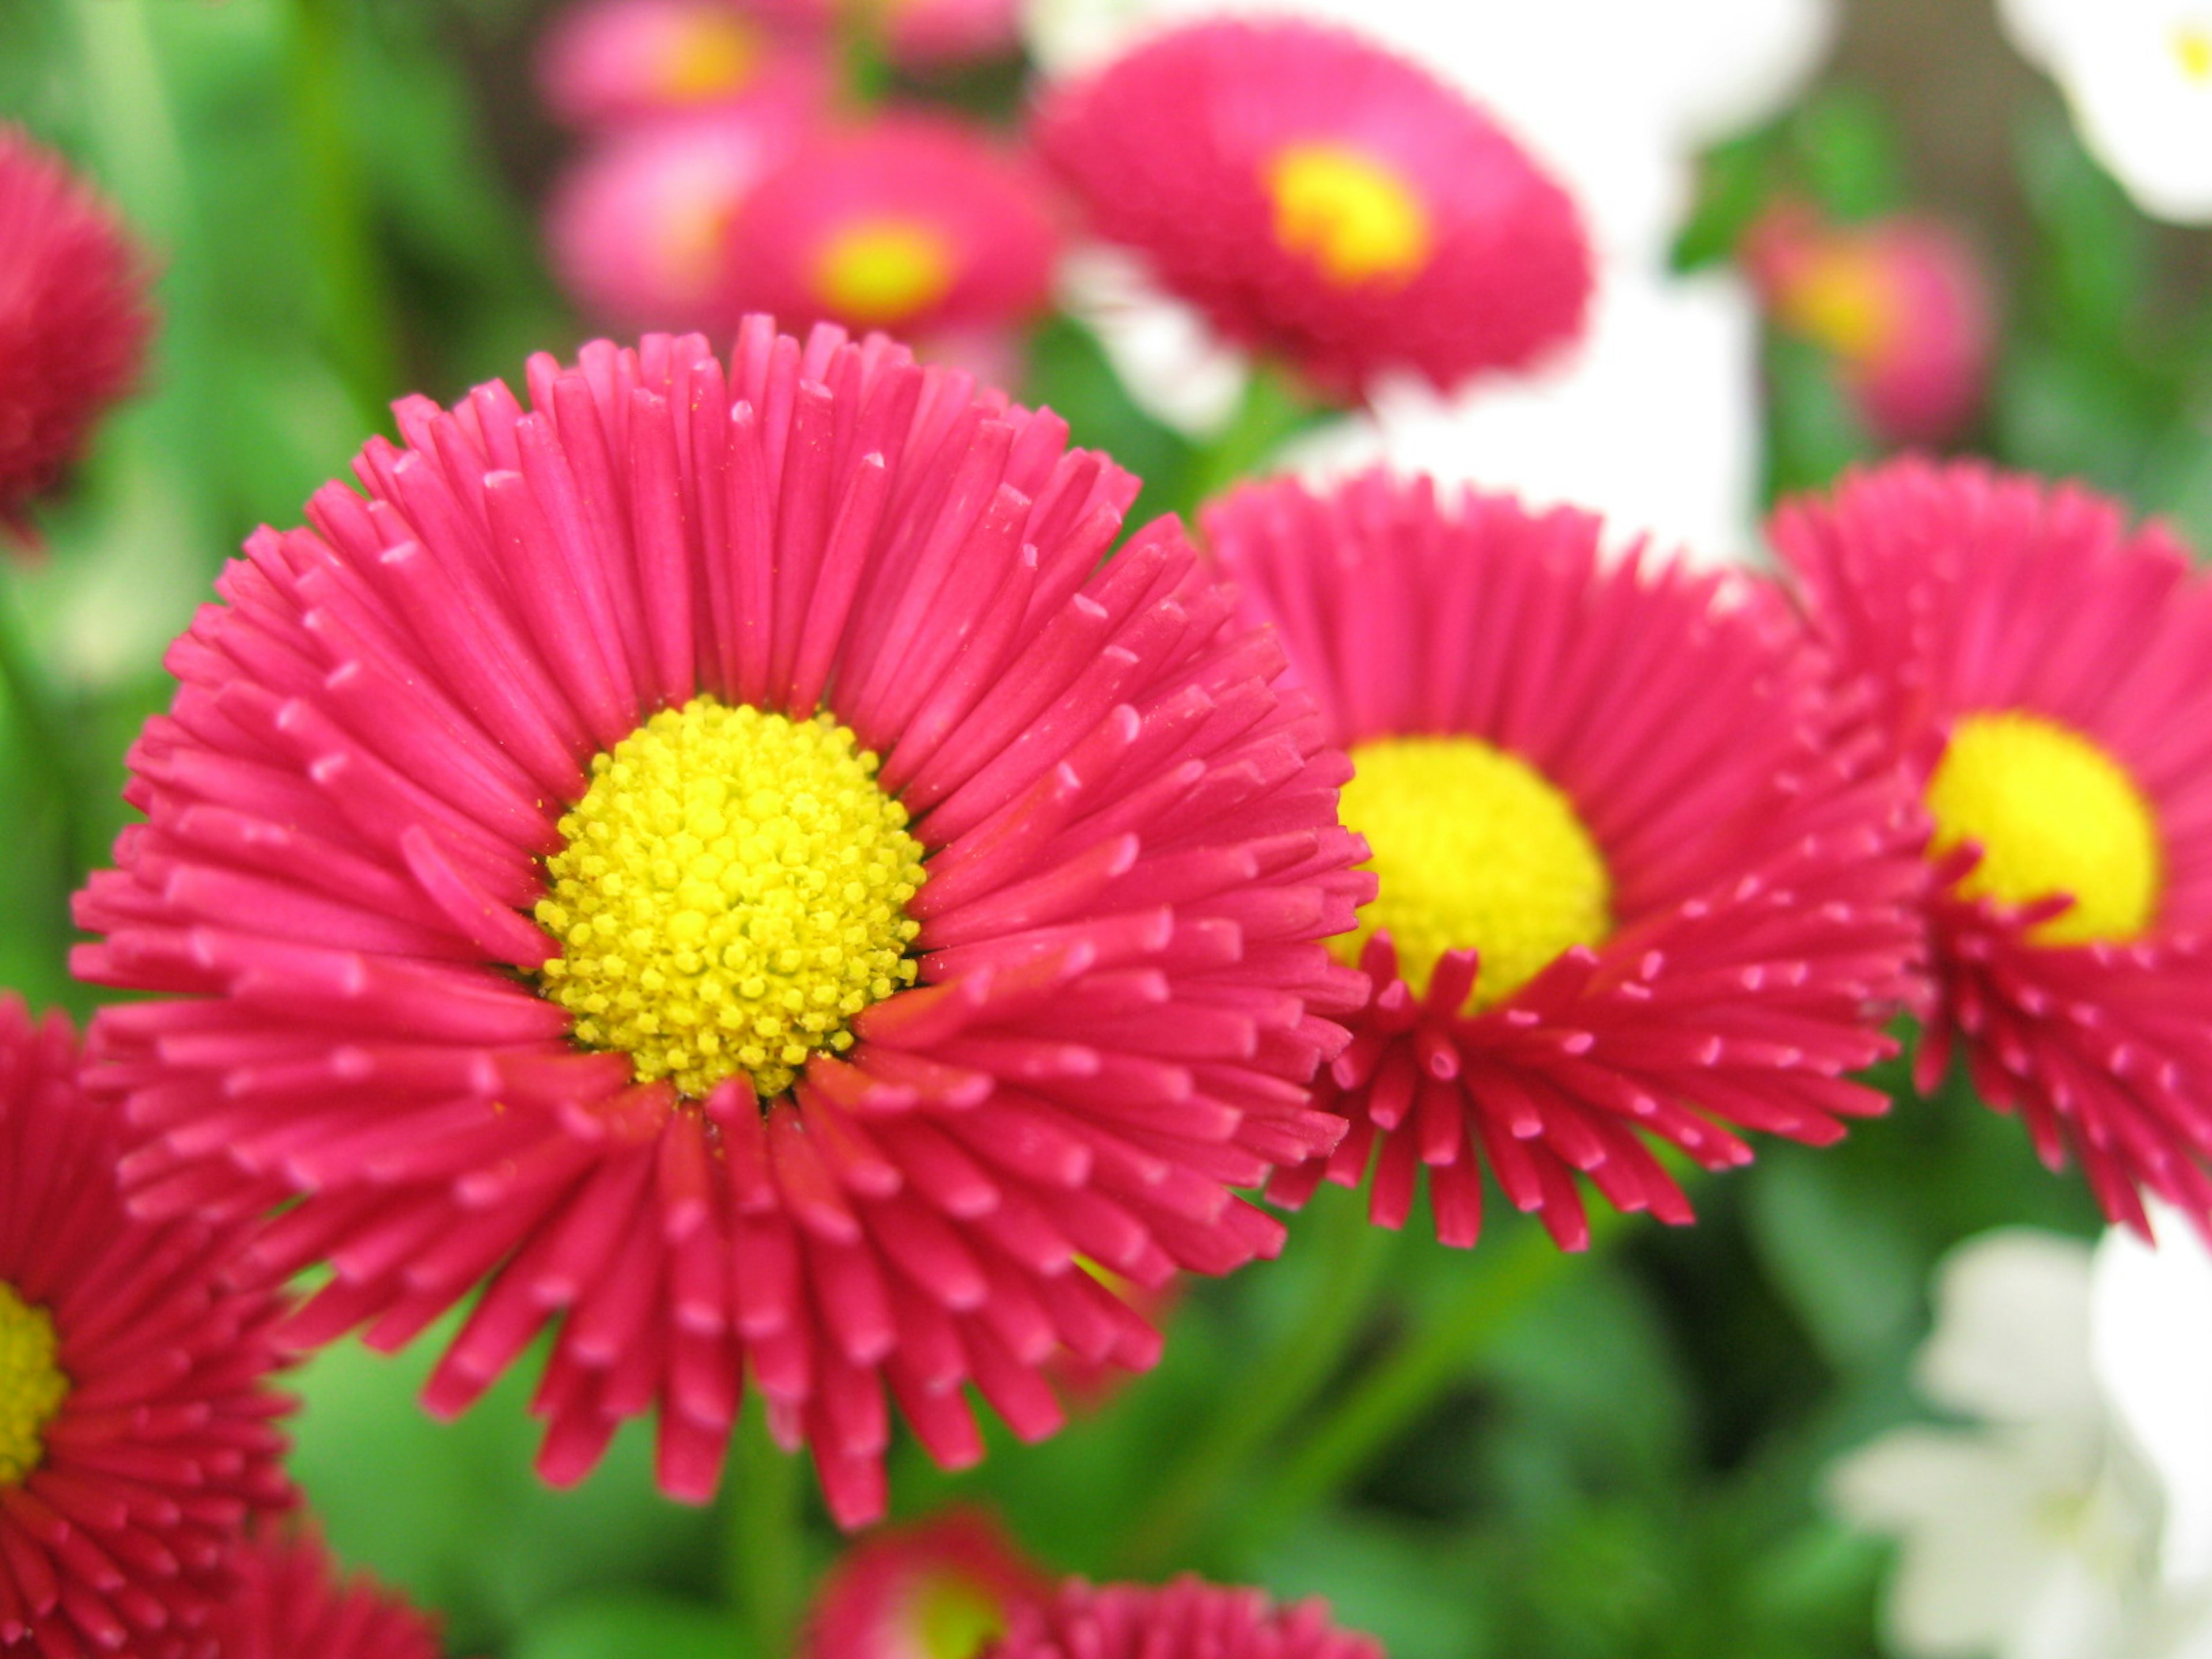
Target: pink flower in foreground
(1632, 883)
(291, 1602)
(913, 221)
(639, 229)
(2040, 668)
(714, 862)
(608, 63)
(138, 1431)
(74, 321)
(1902, 305)
(1188, 1619)
(1319, 197)
(943, 1589)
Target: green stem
(1272, 410)
(1285, 1380)
(358, 325)
(767, 1558)
(43, 733)
(1408, 1378)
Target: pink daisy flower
(1902, 303)
(716, 862)
(2040, 668)
(911, 221)
(291, 1602)
(1188, 1619)
(638, 228)
(943, 1589)
(610, 64)
(138, 1433)
(1631, 884)
(74, 321)
(1319, 197)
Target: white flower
(2056, 1525)
(1651, 420)
(2138, 74)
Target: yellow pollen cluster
(2192, 49)
(875, 272)
(1846, 301)
(1474, 849)
(32, 1385)
(1358, 220)
(709, 56)
(2053, 813)
(731, 890)
(956, 1616)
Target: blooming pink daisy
(291, 1602)
(716, 862)
(2039, 667)
(74, 321)
(1317, 197)
(1188, 1619)
(638, 229)
(943, 1589)
(910, 221)
(608, 63)
(138, 1433)
(1630, 883)
(1902, 303)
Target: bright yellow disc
(875, 273)
(32, 1384)
(1356, 219)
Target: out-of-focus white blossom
(2138, 74)
(1651, 420)
(2063, 1522)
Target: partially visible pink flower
(1087, 1382)
(2038, 666)
(945, 1588)
(74, 321)
(292, 1602)
(1188, 1619)
(606, 64)
(1903, 304)
(138, 1433)
(1321, 198)
(914, 221)
(639, 228)
(922, 35)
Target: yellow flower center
(32, 1385)
(875, 272)
(2193, 47)
(1474, 849)
(709, 55)
(730, 892)
(956, 1618)
(1356, 219)
(2053, 813)
(1845, 301)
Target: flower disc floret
(1356, 218)
(1635, 879)
(32, 1385)
(2051, 813)
(693, 656)
(2036, 663)
(1472, 850)
(731, 890)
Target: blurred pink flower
(944, 1587)
(922, 35)
(606, 64)
(1902, 305)
(1188, 1619)
(292, 1602)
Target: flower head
(944, 1588)
(1629, 885)
(2038, 666)
(912, 222)
(1320, 197)
(922, 36)
(291, 1601)
(639, 228)
(1188, 1619)
(610, 64)
(74, 321)
(1903, 306)
(715, 860)
(137, 1435)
